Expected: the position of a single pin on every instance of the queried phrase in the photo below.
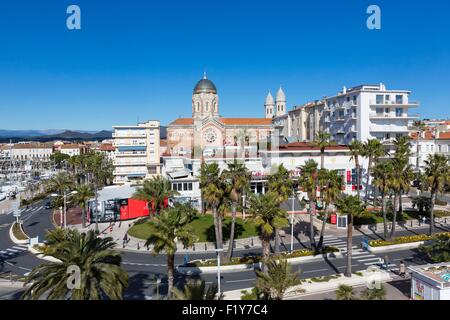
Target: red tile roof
(444, 136)
(428, 135)
(107, 147)
(228, 121)
(309, 146)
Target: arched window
(207, 107)
(198, 106)
(215, 106)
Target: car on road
(48, 205)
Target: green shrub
(406, 239)
(18, 232)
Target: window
(399, 99)
(379, 111)
(380, 99)
(399, 112)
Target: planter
(396, 247)
(42, 256)
(246, 267)
(13, 237)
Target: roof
(444, 136)
(29, 146)
(107, 147)
(439, 273)
(309, 147)
(71, 146)
(163, 142)
(428, 135)
(227, 121)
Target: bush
(258, 258)
(440, 203)
(407, 239)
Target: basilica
(207, 133)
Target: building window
(388, 98)
(398, 112)
(379, 111)
(380, 99)
(399, 99)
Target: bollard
(411, 223)
(138, 247)
(252, 242)
(206, 247)
(193, 247)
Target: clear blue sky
(141, 59)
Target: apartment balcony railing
(134, 162)
(393, 116)
(129, 144)
(131, 154)
(128, 135)
(410, 104)
(388, 128)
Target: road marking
(311, 271)
(243, 280)
(12, 250)
(21, 248)
(364, 260)
(343, 267)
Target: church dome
(280, 95)
(269, 100)
(205, 86)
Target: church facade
(208, 134)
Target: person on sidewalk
(402, 269)
(125, 239)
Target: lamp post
(218, 251)
(243, 206)
(292, 220)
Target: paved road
(143, 267)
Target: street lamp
(292, 220)
(243, 206)
(218, 251)
(65, 206)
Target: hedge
(407, 239)
(258, 258)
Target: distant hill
(65, 135)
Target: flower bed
(406, 239)
(258, 258)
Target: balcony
(129, 134)
(122, 143)
(388, 128)
(379, 116)
(411, 104)
(131, 154)
(131, 162)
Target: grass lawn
(204, 229)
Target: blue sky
(139, 59)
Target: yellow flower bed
(407, 239)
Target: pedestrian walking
(381, 262)
(402, 269)
(386, 262)
(125, 239)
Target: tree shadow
(303, 227)
(210, 233)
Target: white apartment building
(429, 144)
(71, 149)
(359, 113)
(138, 152)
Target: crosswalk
(31, 209)
(360, 255)
(13, 251)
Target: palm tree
(400, 177)
(196, 290)
(268, 216)
(60, 183)
(352, 207)
(322, 140)
(345, 293)
(356, 150)
(83, 194)
(437, 173)
(100, 268)
(331, 189)
(381, 175)
(236, 179)
(155, 191)
(280, 184)
(374, 293)
(308, 182)
(420, 126)
(276, 280)
(170, 226)
(213, 190)
(438, 250)
(372, 150)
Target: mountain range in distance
(57, 134)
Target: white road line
(311, 271)
(343, 267)
(21, 248)
(243, 280)
(333, 241)
(370, 259)
(12, 250)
